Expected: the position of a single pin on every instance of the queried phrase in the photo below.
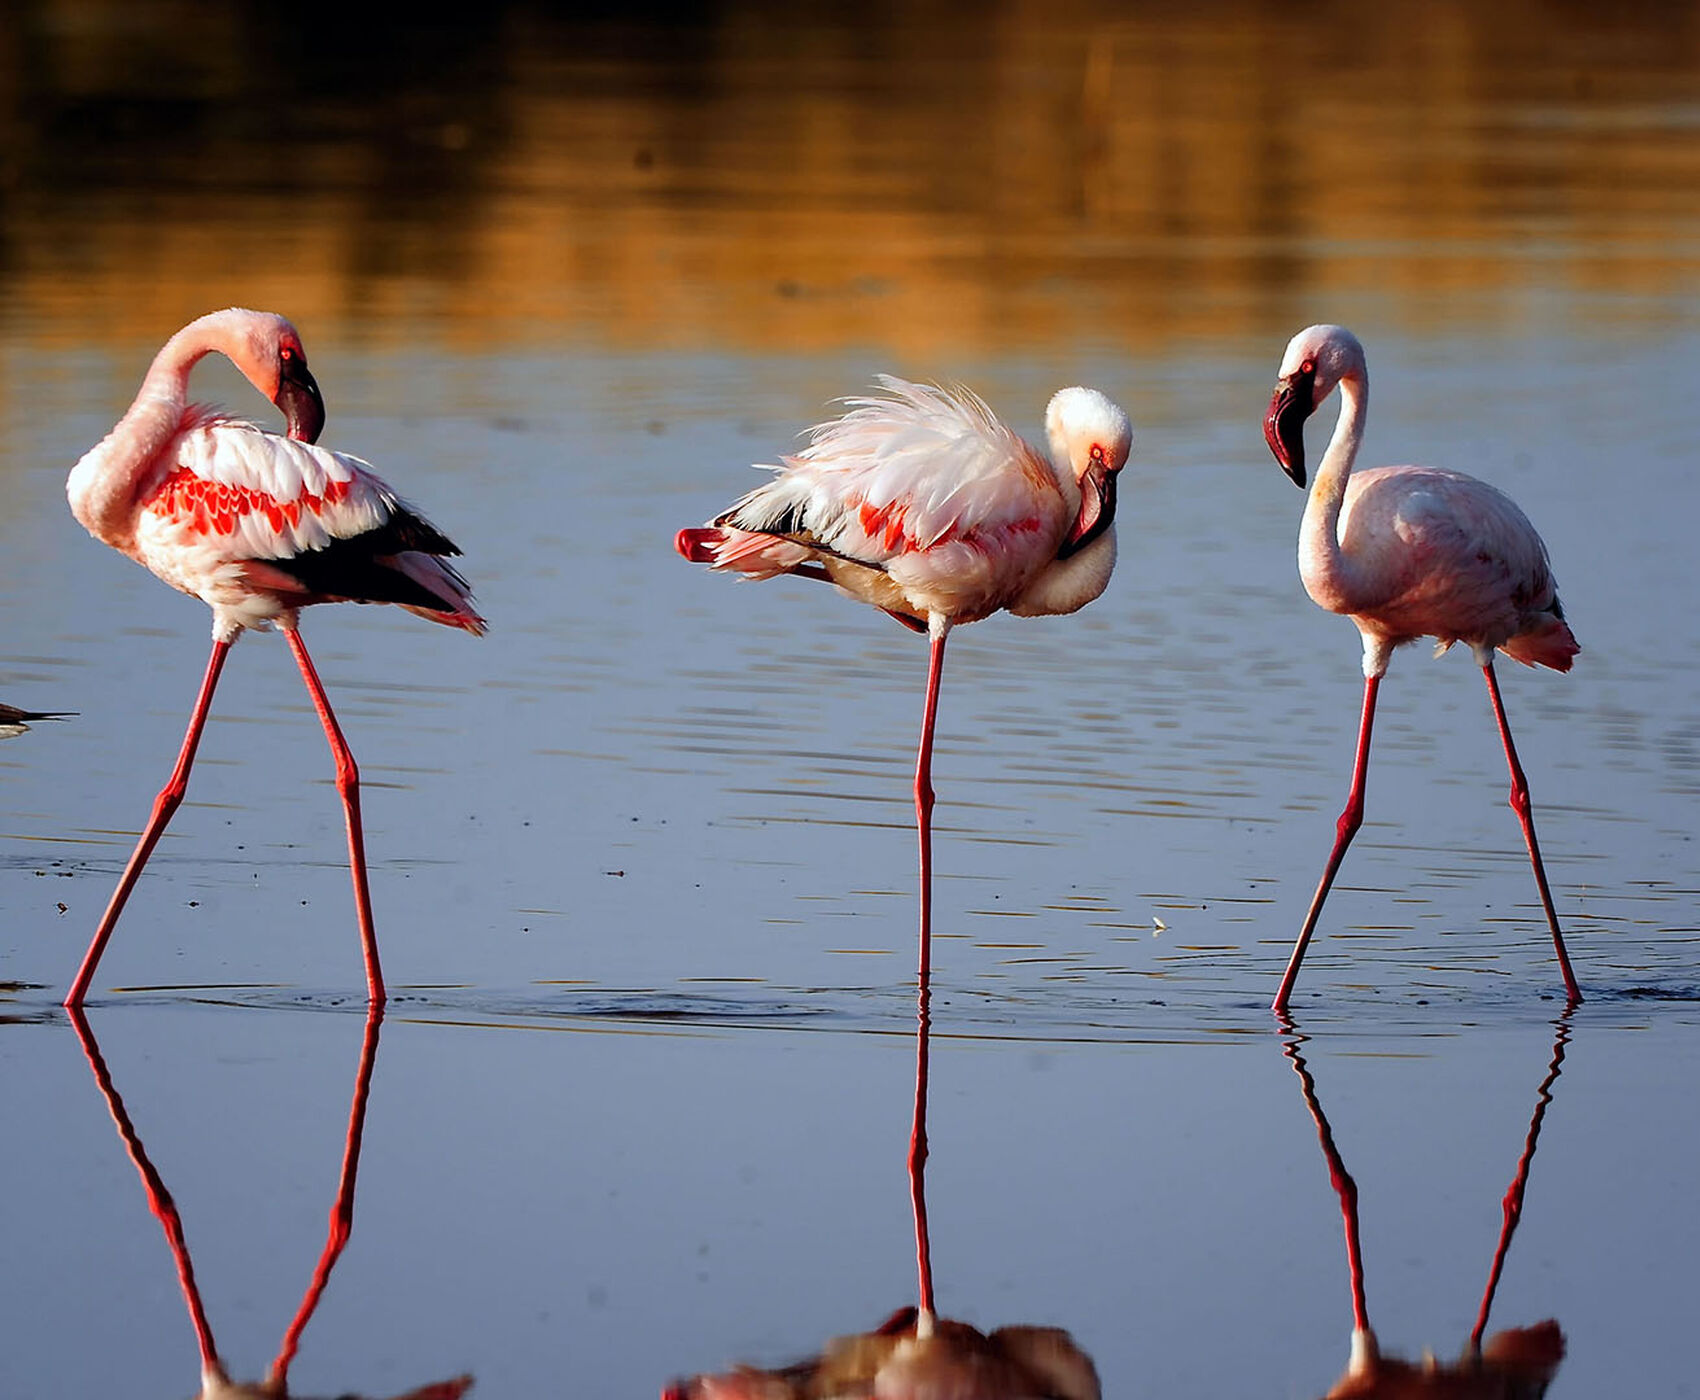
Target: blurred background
(642, 857)
(929, 178)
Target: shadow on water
(1515, 1364)
(215, 1380)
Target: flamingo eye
(1097, 455)
(1308, 367)
(287, 354)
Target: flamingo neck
(1331, 576)
(167, 379)
(106, 486)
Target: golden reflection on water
(774, 178)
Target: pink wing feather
(892, 476)
(236, 508)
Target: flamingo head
(1093, 435)
(1317, 359)
(297, 391)
(268, 349)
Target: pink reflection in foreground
(915, 1354)
(1516, 1364)
(215, 1381)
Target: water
(562, 282)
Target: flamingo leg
(1521, 805)
(342, 1210)
(159, 1198)
(348, 784)
(925, 1314)
(1346, 828)
(924, 794)
(918, 1165)
(169, 799)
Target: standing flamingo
(1409, 552)
(257, 526)
(922, 503)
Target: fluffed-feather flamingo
(1410, 552)
(921, 502)
(258, 527)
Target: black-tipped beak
(1284, 424)
(1097, 510)
(302, 404)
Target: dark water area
(643, 858)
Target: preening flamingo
(258, 527)
(1409, 552)
(921, 502)
(14, 721)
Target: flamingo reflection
(915, 1354)
(216, 1383)
(1515, 1364)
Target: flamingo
(1409, 552)
(922, 503)
(14, 721)
(257, 526)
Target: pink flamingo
(1409, 552)
(922, 503)
(257, 526)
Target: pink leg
(1521, 805)
(342, 1211)
(168, 801)
(924, 803)
(918, 1164)
(1346, 828)
(348, 784)
(918, 1134)
(159, 1199)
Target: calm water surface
(642, 858)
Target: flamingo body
(257, 526)
(922, 503)
(1409, 552)
(1439, 554)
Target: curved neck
(1329, 574)
(105, 485)
(167, 378)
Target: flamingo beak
(1097, 510)
(1284, 424)
(302, 404)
